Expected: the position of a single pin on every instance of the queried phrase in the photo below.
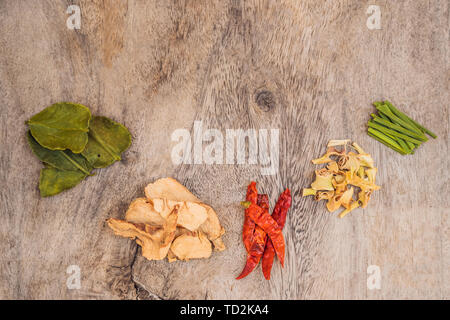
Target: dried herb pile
(345, 173)
(71, 143)
(396, 130)
(171, 222)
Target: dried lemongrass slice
(333, 167)
(324, 195)
(352, 206)
(347, 197)
(309, 192)
(326, 157)
(358, 148)
(349, 162)
(343, 199)
(364, 197)
(339, 179)
(365, 160)
(334, 203)
(361, 172)
(371, 174)
(323, 159)
(361, 183)
(334, 143)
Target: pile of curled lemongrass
(348, 179)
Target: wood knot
(265, 100)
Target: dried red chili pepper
(279, 215)
(249, 225)
(259, 236)
(269, 225)
(259, 241)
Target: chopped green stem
(391, 132)
(378, 103)
(403, 116)
(383, 116)
(399, 128)
(385, 109)
(403, 144)
(385, 143)
(410, 145)
(400, 139)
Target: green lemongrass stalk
(378, 104)
(403, 116)
(391, 132)
(383, 116)
(388, 135)
(404, 146)
(399, 150)
(398, 128)
(384, 137)
(386, 144)
(410, 145)
(385, 109)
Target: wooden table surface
(308, 68)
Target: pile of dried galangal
(171, 222)
(344, 171)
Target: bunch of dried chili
(262, 233)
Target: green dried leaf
(107, 140)
(63, 160)
(61, 126)
(53, 181)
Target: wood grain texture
(310, 68)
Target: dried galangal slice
(171, 189)
(141, 211)
(191, 215)
(344, 172)
(192, 245)
(154, 240)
